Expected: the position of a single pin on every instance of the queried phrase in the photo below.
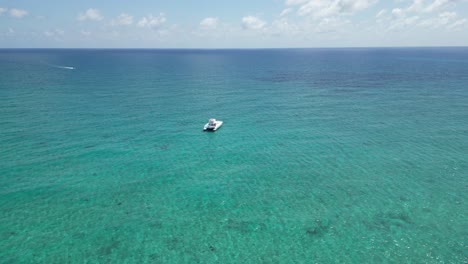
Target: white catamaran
(212, 125)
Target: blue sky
(232, 24)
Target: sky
(232, 24)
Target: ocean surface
(325, 156)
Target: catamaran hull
(211, 128)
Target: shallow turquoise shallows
(325, 156)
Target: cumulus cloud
(286, 12)
(153, 22)
(458, 24)
(438, 5)
(329, 25)
(3, 10)
(447, 16)
(420, 13)
(446, 19)
(402, 22)
(251, 22)
(326, 8)
(416, 6)
(122, 20)
(282, 26)
(209, 23)
(398, 12)
(90, 14)
(18, 13)
(54, 33)
(381, 13)
(85, 33)
(296, 2)
(431, 6)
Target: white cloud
(18, 13)
(309, 29)
(152, 22)
(445, 19)
(56, 34)
(326, 8)
(122, 20)
(411, 20)
(439, 5)
(283, 26)
(398, 12)
(403, 22)
(417, 6)
(446, 16)
(85, 33)
(458, 24)
(286, 12)
(294, 23)
(381, 13)
(209, 23)
(296, 2)
(90, 14)
(251, 22)
(423, 6)
(333, 24)
(421, 13)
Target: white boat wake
(63, 67)
(66, 67)
(60, 66)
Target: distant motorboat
(212, 125)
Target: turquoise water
(325, 156)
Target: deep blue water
(325, 155)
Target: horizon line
(273, 48)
